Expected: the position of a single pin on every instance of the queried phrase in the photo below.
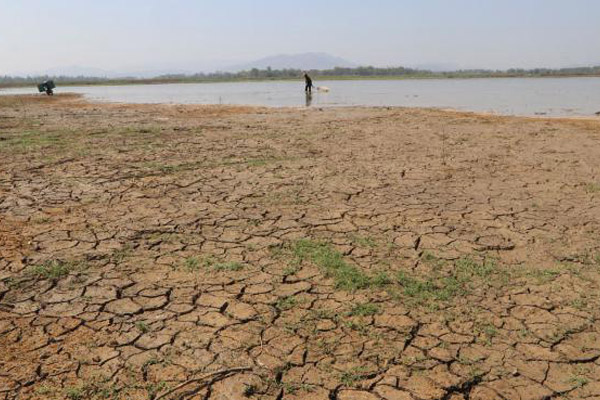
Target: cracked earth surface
(355, 253)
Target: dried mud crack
(204, 252)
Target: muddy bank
(355, 253)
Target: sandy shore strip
(339, 253)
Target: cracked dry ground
(357, 253)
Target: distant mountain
(295, 61)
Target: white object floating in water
(323, 88)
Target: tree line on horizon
(290, 73)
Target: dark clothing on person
(309, 84)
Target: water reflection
(309, 99)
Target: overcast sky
(195, 35)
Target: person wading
(309, 84)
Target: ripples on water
(511, 96)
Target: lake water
(509, 96)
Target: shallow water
(509, 96)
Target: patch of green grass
(592, 188)
(428, 257)
(468, 267)
(488, 330)
(359, 326)
(258, 162)
(227, 266)
(41, 220)
(424, 290)
(154, 389)
(364, 241)
(381, 279)
(191, 264)
(121, 254)
(53, 269)
(580, 303)
(290, 270)
(32, 140)
(544, 275)
(286, 303)
(363, 310)
(352, 377)
(579, 381)
(75, 392)
(332, 263)
(438, 287)
(44, 390)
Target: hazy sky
(127, 35)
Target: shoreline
(83, 98)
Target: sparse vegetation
(192, 264)
(364, 309)
(142, 326)
(227, 266)
(592, 187)
(53, 269)
(286, 303)
(352, 377)
(74, 393)
(364, 241)
(331, 262)
(544, 275)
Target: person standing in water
(309, 84)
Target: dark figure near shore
(47, 87)
(309, 84)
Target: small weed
(469, 267)
(154, 389)
(592, 188)
(44, 390)
(489, 330)
(286, 303)
(579, 381)
(430, 259)
(358, 326)
(363, 310)
(249, 390)
(544, 275)
(119, 255)
(524, 332)
(352, 377)
(142, 327)
(290, 270)
(364, 241)
(75, 393)
(381, 279)
(422, 291)
(191, 264)
(227, 266)
(579, 303)
(258, 162)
